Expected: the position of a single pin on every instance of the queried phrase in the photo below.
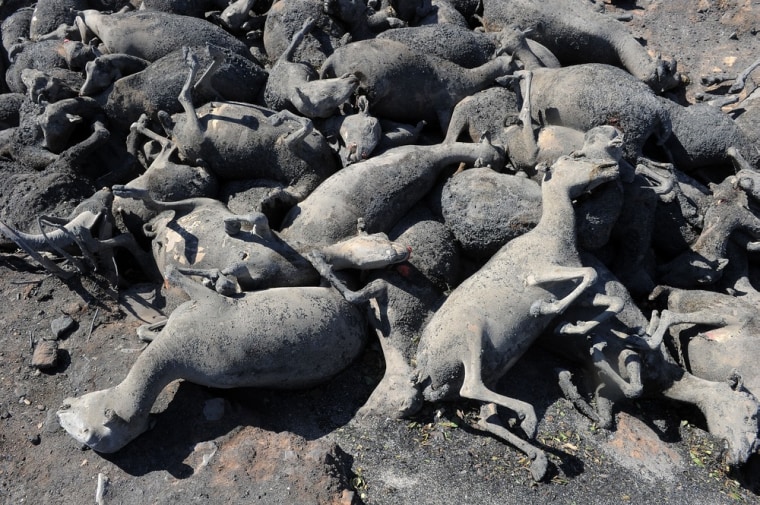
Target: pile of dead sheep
(465, 178)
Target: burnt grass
(303, 447)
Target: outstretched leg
(459, 122)
(474, 389)
(297, 39)
(143, 195)
(149, 332)
(522, 144)
(374, 289)
(78, 235)
(204, 82)
(192, 127)
(737, 86)
(31, 251)
(396, 395)
(669, 318)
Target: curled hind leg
(474, 389)
(490, 422)
(601, 413)
(613, 306)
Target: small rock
(60, 326)
(45, 355)
(73, 308)
(50, 425)
(35, 439)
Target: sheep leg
(662, 176)
(396, 394)
(220, 280)
(23, 245)
(297, 39)
(78, 235)
(374, 289)
(140, 127)
(474, 389)
(557, 273)
(521, 143)
(458, 123)
(629, 359)
(601, 414)
(737, 86)
(284, 197)
(192, 126)
(739, 161)
(490, 422)
(128, 242)
(292, 138)
(614, 305)
(143, 195)
(256, 220)
(195, 290)
(204, 82)
(668, 318)
(149, 332)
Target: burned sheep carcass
(223, 127)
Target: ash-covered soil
(246, 446)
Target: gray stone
(60, 326)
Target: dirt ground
(244, 446)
